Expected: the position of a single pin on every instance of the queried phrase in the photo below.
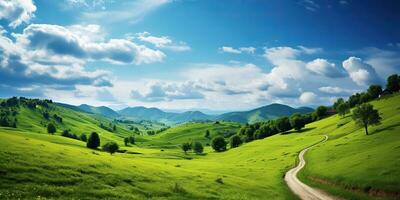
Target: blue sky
(180, 55)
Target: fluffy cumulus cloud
(307, 98)
(360, 72)
(15, 12)
(325, 68)
(163, 42)
(227, 49)
(333, 90)
(167, 91)
(49, 40)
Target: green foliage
(393, 83)
(126, 141)
(51, 128)
(218, 144)
(321, 112)
(283, 124)
(374, 91)
(110, 147)
(207, 134)
(365, 115)
(83, 137)
(297, 122)
(343, 109)
(235, 141)
(186, 147)
(337, 103)
(93, 141)
(197, 147)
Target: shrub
(93, 141)
(297, 122)
(132, 139)
(218, 144)
(185, 147)
(207, 134)
(321, 112)
(197, 147)
(235, 141)
(366, 115)
(126, 141)
(83, 137)
(51, 128)
(110, 147)
(283, 124)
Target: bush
(83, 137)
(283, 124)
(51, 128)
(93, 141)
(297, 122)
(186, 147)
(132, 139)
(321, 112)
(235, 141)
(218, 144)
(110, 147)
(197, 147)
(126, 141)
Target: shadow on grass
(301, 131)
(387, 128)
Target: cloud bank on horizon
(174, 55)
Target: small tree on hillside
(83, 137)
(321, 112)
(343, 109)
(126, 141)
(110, 147)
(283, 124)
(297, 122)
(132, 139)
(235, 141)
(207, 134)
(93, 141)
(51, 128)
(218, 144)
(374, 91)
(366, 115)
(197, 147)
(185, 147)
(393, 83)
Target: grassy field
(34, 164)
(352, 164)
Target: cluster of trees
(66, 133)
(8, 117)
(93, 142)
(111, 127)
(129, 140)
(197, 147)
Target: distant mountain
(155, 114)
(101, 110)
(266, 112)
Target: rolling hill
(266, 112)
(101, 110)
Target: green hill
(101, 110)
(35, 164)
(263, 113)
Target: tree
(297, 122)
(185, 147)
(197, 147)
(354, 100)
(218, 144)
(283, 124)
(46, 115)
(51, 128)
(132, 139)
(343, 109)
(374, 91)
(235, 141)
(110, 147)
(249, 134)
(365, 97)
(93, 141)
(321, 112)
(83, 137)
(393, 83)
(366, 115)
(114, 128)
(337, 103)
(207, 134)
(126, 141)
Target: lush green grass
(352, 160)
(34, 163)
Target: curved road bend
(302, 190)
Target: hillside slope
(100, 110)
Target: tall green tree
(343, 109)
(393, 83)
(218, 144)
(283, 124)
(93, 141)
(297, 122)
(374, 91)
(235, 141)
(197, 147)
(110, 147)
(186, 147)
(321, 112)
(365, 115)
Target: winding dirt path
(302, 190)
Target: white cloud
(16, 11)
(310, 5)
(163, 42)
(360, 72)
(323, 67)
(307, 97)
(49, 40)
(226, 49)
(336, 90)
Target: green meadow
(38, 165)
